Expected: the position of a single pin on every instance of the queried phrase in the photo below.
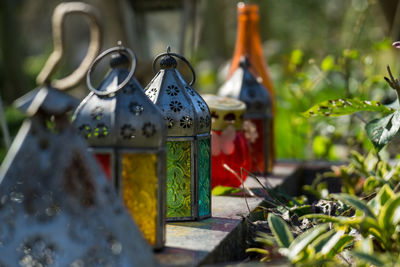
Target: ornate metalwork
(135, 130)
(188, 119)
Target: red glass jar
(229, 147)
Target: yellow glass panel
(139, 191)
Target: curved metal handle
(168, 53)
(120, 49)
(59, 14)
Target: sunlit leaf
(322, 240)
(342, 220)
(305, 239)
(340, 107)
(328, 63)
(280, 230)
(224, 190)
(338, 246)
(381, 131)
(390, 213)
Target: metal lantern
(188, 142)
(126, 132)
(56, 207)
(258, 116)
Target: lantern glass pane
(257, 147)
(204, 177)
(179, 179)
(104, 160)
(139, 191)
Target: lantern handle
(59, 14)
(168, 53)
(120, 49)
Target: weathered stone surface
(222, 237)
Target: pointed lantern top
(244, 86)
(117, 112)
(185, 112)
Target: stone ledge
(222, 237)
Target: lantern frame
(198, 110)
(114, 143)
(243, 85)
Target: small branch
(394, 83)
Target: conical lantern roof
(56, 207)
(244, 86)
(120, 118)
(184, 110)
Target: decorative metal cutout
(170, 122)
(172, 90)
(186, 122)
(101, 130)
(128, 89)
(148, 129)
(136, 108)
(175, 106)
(201, 105)
(151, 93)
(97, 113)
(208, 121)
(127, 131)
(190, 91)
(85, 130)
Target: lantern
(229, 147)
(56, 207)
(188, 141)
(258, 116)
(126, 133)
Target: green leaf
(385, 194)
(340, 107)
(356, 203)
(296, 57)
(338, 246)
(321, 145)
(342, 220)
(381, 131)
(303, 240)
(365, 245)
(389, 216)
(224, 190)
(368, 258)
(258, 250)
(328, 63)
(322, 240)
(280, 230)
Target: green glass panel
(178, 179)
(204, 177)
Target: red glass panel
(257, 148)
(233, 153)
(105, 163)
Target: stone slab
(220, 238)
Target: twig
(244, 187)
(394, 83)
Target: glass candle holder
(229, 147)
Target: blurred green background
(316, 50)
